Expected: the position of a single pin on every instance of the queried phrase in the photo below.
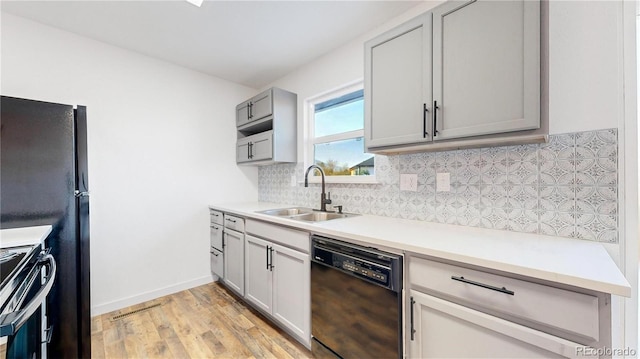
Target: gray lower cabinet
(216, 243)
(445, 329)
(464, 69)
(259, 274)
(277, 276)
(217, 262)
(496, 316)
(234, 260)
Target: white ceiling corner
(251, 43)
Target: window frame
(311, 140)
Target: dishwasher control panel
(365, 270)
(353, 263)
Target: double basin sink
(306, 214)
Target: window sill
(345, 179)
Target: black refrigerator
(44, 180)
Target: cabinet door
(217, 262)
(398, 85)
(242, 150)
(234, 260)
(242, 113)
(255, 148)
(261, 106)
(291, 291)
(215, 231)
(258, 287)
(486, 67)
(447, 330)
(262, 146)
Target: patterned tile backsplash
(567, 187)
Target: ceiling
(247, 42)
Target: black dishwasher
(356, 300)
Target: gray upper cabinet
(464, 69)
(267, 128)
(256, 108)
(486, 66)
(258, 147)
(398, 85)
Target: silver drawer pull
(497, 289)
(214, 253)
(231, 220)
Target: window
(336, 141)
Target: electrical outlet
(443, 182)
(408, 182)
(293, 181)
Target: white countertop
(567, 261)
(24, 236)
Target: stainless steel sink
(306, 214)
(287, 212)
(322, 216)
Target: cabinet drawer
(216, 236)
(217, 262)
(233, 222)
(556, 308)
(216, 216)
(279, 234)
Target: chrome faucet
(323, 196)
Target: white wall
(585, 65)
(161, 148)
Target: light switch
(409, 182)
(443, 182)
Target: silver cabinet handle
(267, 252)
(11, 322)
(435, 118)
(497, 289)
(214, 253)
(230, 220)
(271, 266)
(413, 331)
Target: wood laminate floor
(202, 322)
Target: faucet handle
(328, 200)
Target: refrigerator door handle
(81, 194)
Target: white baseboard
(143, 297)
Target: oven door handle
(11, 322)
